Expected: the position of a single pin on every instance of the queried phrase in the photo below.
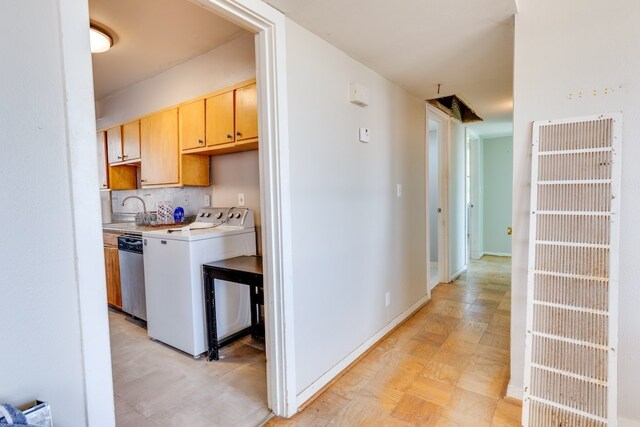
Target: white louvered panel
(570, 373)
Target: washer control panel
(233, 217)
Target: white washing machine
(173, 261)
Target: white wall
(497, 184)
(564, 48)
(51, 258)
(352, 239)
(457, 202)
(434, 183)
(224, 66)
(238, 173)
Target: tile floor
(159, 386)
(448, 365)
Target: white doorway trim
(269, 26)
(443, 191)
(476, 217)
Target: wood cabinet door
(159, 146)
(219, 119)
(192, 125)
(114, 144)
(112, 270)
(102, 160)
(131, 140)
(246, 113)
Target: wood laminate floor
(448, 365)
(156, 385)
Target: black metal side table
(246, 270)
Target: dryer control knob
(230, 215)
(219, 215)
(238, 215)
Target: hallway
(448, 365)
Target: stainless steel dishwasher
(132, 276)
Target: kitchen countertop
(132, 228)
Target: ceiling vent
(456, 108)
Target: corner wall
(352, 238)
(51, 259)
(566, 54)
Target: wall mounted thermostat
(364, 134)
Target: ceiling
(465, 46)
(150, 37)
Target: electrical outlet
(399, 190)
(240, 199)
(114, 196)
(387, 299)
(185, 200)
(207, 200)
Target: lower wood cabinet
(112, 270)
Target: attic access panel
(456, 108)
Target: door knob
(509, 231)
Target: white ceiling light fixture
(99, 39)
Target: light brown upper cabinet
(247, 114)
(131, 141)
(192, 125)
(116, 176)
(230, 121)
(114, 144)
(123, 143)
(159, 146)
(219, 119)
(102, 160)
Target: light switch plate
(240, 199)
(207, 200)
(364, 134)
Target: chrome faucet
(136, 197)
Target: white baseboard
(458, 273)
(318, 384)
(496, 253)
(515, 392)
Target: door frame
(475, 228)
(268, 24)
(444, 156)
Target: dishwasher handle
(130, 244)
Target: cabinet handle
(143, 180)
(104, 185)
(119, 157)
(238, 133)
(201, 142)
(124, 157)
(229, 136)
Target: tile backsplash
(189, 198)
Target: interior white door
(570, 362)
